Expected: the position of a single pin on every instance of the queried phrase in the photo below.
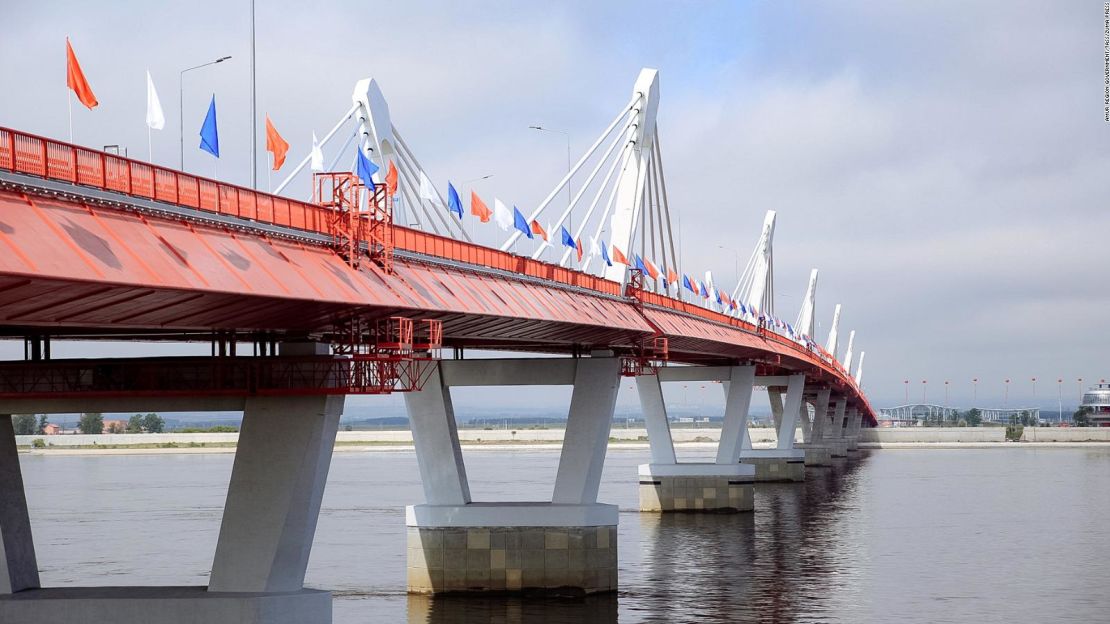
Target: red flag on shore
(275, 144)
(75, 79)
(618, 255)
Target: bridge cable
(559, 187)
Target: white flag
(427, 191)
(595, 248)
(502, 215)
(155, 120)
(317, 156)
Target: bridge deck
(87, 258)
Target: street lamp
(1006, 397)
(567, 135)
(181, 103)
(924, 382)
(975, 391)
(907, 382)
(1060, 400)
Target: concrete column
(836, 424)
(774, 396)
(596, 381)
(821, 414)
(807, 426)
(18, 568)
(273, 501)
(436, 437)
(790, 410)
(738, 400)
(655, 419)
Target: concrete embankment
(350, 440)
(892, 438)
(1066, 434)
(883, 437)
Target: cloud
(943, 164)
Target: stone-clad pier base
(165, 605)
(696, 488)
(570, 560)
(776, 465)
(505, 547)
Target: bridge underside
(79, 267)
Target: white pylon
(859, 368)
(830, 346)
(848, 353)
(805, 324)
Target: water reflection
(597, 609)
(779, 563)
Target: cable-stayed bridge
(306, 300)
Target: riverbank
(538, 439)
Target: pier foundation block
(817, 454)
(166, 605)
(696, 488)
(776, 465)
(541, 548)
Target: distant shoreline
(532, 445)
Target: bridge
(306, 301)
(923, 412)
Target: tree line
(91, 423)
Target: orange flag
(672, 277)
(391, 180)
(538, 229)
(275, 144)
(618, 256)
(75, 79)
(478, 208)
(578, 248)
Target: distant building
(1098, 400)
(52, 429)
(119, 425)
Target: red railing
(55, 160)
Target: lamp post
(567, 135)
(181, 104)
(1079, 385)
(1006, 397)
(1060, 400)
(975, 391)
(907, 383)
(924, 382)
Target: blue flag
(454, 204)
(704, 291)
(520, 223)
(640, 264)
(719, 302)
(686, 283)
(605, 253)
(209, 139)
(366, 169)
(568, 240)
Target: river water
(991, 535)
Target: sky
(944, 164)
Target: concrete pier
(273, 502)
(667, 485)
(567, 545)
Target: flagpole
(69, 105)
(149, 146)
